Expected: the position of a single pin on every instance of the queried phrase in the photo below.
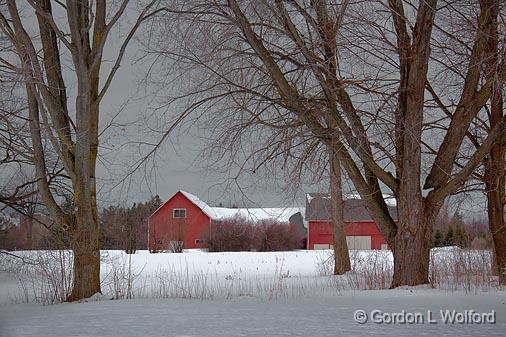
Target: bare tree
(71, 130)
(492, 174)
(354, 74)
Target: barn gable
(193, 199)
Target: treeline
(121, 227)
(454, 231)
(126, 228)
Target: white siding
(320, 246)
(358, 242)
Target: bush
(480, 243)
(232, 235)
(274, 236)
(239, 234)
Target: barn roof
(253, 214)
(318, 207)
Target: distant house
(361, 231)
(185, 220)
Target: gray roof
(318, 207)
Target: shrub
(480, 243)
(239, 234)
(275, 236)
(234, 234)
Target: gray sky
(128, 118)
(179, 164)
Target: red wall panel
(320, 232)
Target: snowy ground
(328, 316)
(253, 294)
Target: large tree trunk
(416, 219)
(341, 255)
(412, 245)
(495, 166)
(86, 272)
(85, 244)
(495, 162)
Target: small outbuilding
(361, 231)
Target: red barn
(361, 231)
(184, 220)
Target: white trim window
(178, 213)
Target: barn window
(179, 213)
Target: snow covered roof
(282, 214)
(199, 203)
(389, 199)
(255, 214)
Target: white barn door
(358, 242)
(321, 246)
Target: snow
(328, 316)
(251, 214)
(389, 199)
(245, 294)
(199, 203)
(256, 214)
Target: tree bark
(86, 265)
(341, 255)
(85, 243)
(495, 182)
(412, 245)
(495, 162)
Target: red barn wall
(320, 232)
(163, 228)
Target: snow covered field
(245, 316)
(251, 294)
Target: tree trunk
(86, 249)
(411, 258)
(341, 255)
(86, 273)
(412, 243)
(29, 233)
(86, 245)
(495, 162)
(495, 185)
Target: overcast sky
(179, 164)
(129, 117)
